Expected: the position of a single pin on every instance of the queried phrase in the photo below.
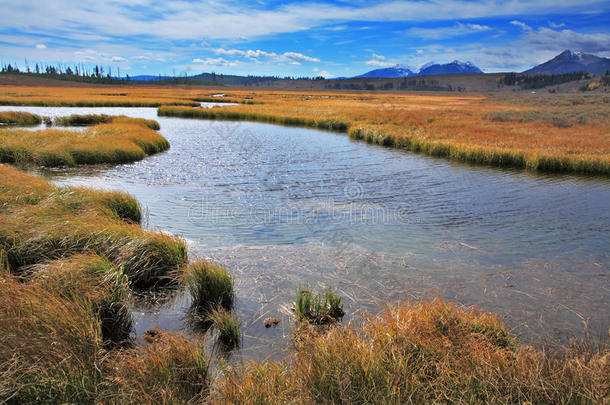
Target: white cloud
(231, 20)
(521, 24)
(554, 25)
(378, 61)
(41, 46)
(118, 59)
(289, 57)
(456, 30)
(215, 62)
(548, 39)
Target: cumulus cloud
(41, 46)
(118, 59)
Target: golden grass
(127, 140)
(461, 128)
(421, 353)
(543, 132)
(19, 118)
(41, 222)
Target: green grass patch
(318, 309)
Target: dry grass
(421, 353)
(127, 140)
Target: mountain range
(565, 62)
(426, 70)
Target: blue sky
(299, 38)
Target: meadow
(71, 260)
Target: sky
(331, 38)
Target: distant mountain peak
(571, 61)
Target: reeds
(426, 352)
(18, 118)
(105, 143)
(209, 285)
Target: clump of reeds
(318, 309)
(422, 353)
(105, 143)
(228, 326)
(209, 285)
(19, 118)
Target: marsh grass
(105, 143)
(228, 326)
(209, 285)
(425, 352)
(226, 114)
(41, 222)
(18, 118)
(318, 309)
(94, 119)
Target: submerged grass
(421, 353)
(19, 118)
(127, 140)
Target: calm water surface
(289, 207)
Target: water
(289, 207)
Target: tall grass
(209, 285)
(105, 143)
(422, 353)
(19, 118)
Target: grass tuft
(209, 285)
(319, 309)
(228, 326)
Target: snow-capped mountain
(569, 61)
(454, 67)
(394, 71)
(429, 68)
